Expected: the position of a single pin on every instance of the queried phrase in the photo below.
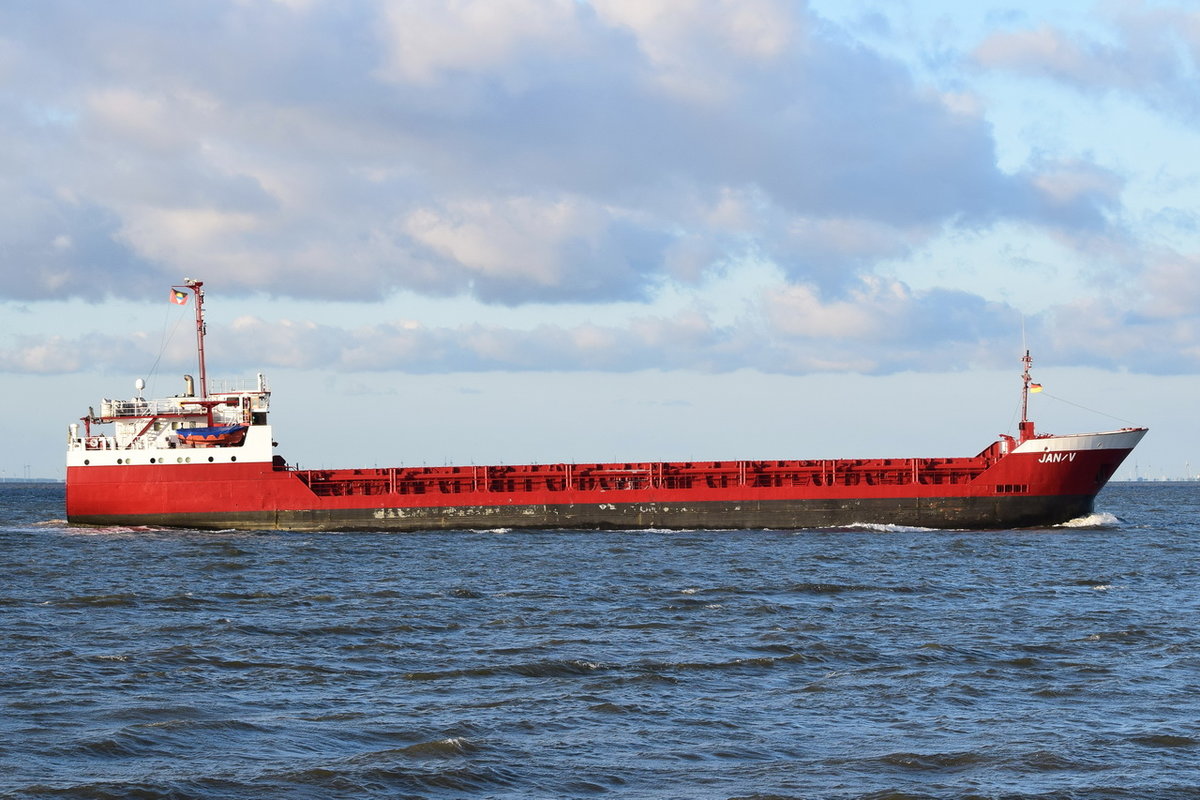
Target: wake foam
(1100, 519)
(881, 527)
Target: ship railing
(148, 408)
(116, 443)
(96, 443)
(242, 385)
(171, 407)
(617, 478)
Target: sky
(511, 231)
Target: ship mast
(1026, 427)
(196, 287)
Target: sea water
(871, 662)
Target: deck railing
(626, 477)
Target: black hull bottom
(950, 513)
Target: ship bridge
(141, 424)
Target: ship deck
(554, 478)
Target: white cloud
(517, 155)
(1066, 184)
(1047, 50)
(515, 238)
(1171, 282)
(528, 153)
(696, 49)
(798, 311)
(53, 355)
(428, 40)
(1153, 56)
(141, 121)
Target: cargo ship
(205, 459)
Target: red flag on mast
(179, 297)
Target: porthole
(152, 461)
(179, 459)
(86, 462)
(119, 461)
(233, 458)
(210, 458)
(188, 459)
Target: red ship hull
(207, 461)
(1045, 481)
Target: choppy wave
(706, 665)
